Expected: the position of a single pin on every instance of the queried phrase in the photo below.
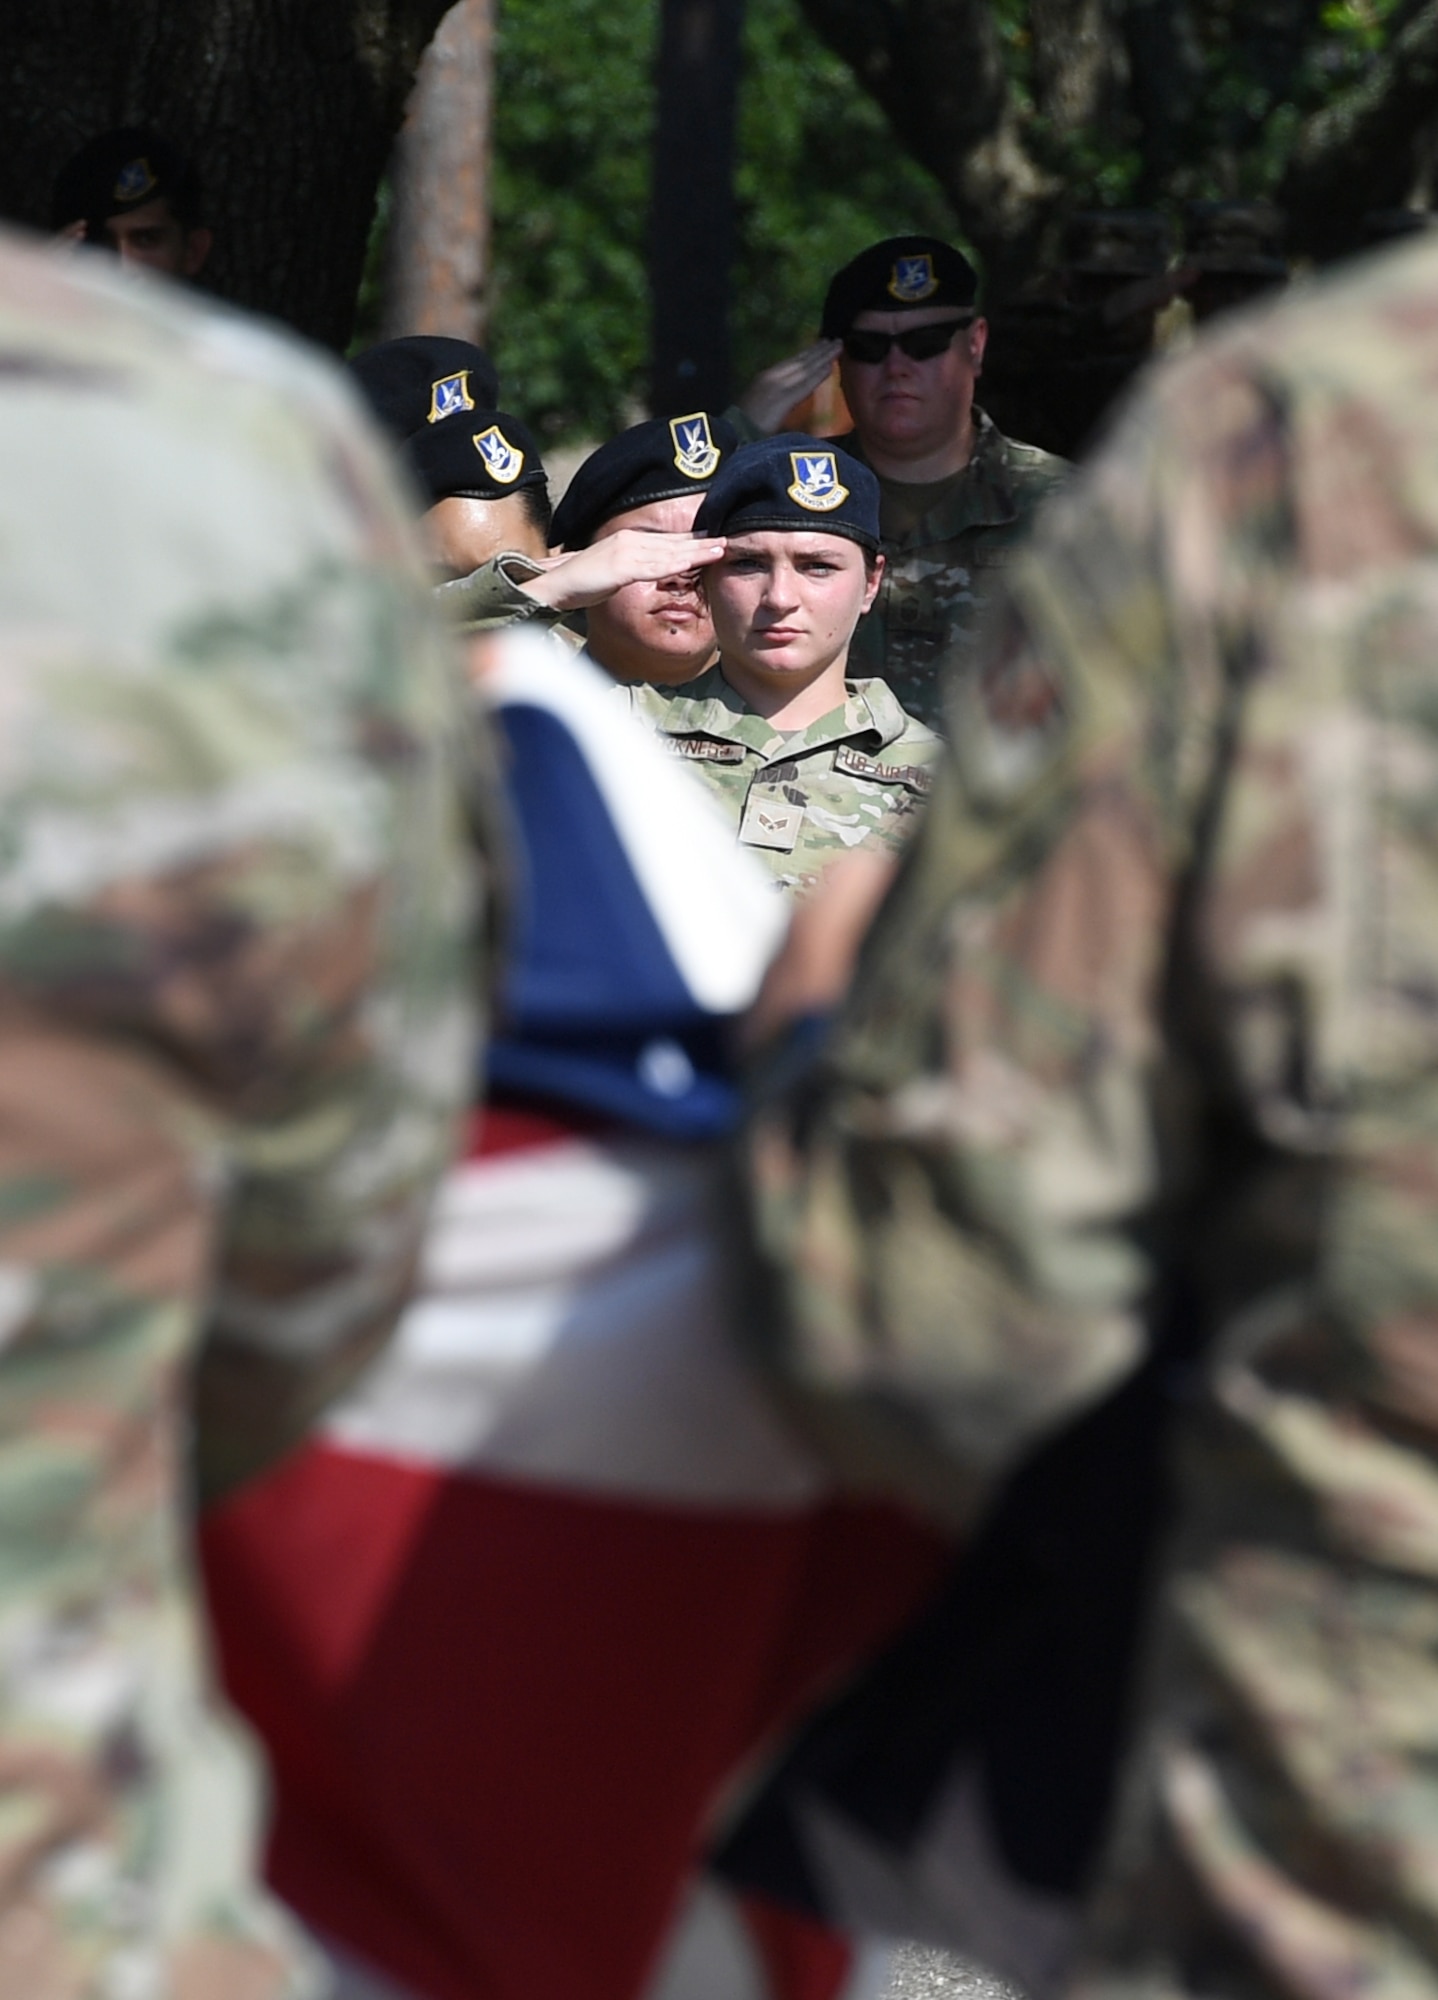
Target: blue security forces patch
(816, 481)
(504, 460)
(913, 279)
(449, 395)
(695, 453)
(134, 181)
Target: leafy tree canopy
(985, 120)
(819, 175)
(1024, 109)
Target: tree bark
(1165, 78)
(936, 68)
(1359, 153)
(289, 108)
(692, 222)
(439, 234)
(1079, 67)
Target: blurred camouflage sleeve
(235, 1030)
(258, 884)
(1150, 1017)
(949, 1212)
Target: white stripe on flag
(569, 1329)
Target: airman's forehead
(909, 320)
(660, 517)
(149, 215)
(790, 542)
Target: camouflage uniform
(233, 911)
(490, 599)
(941, 574)
(857, 776)
(1154, 1010)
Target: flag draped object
(538, 1599)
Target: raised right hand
(633, 555)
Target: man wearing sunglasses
(955, 493)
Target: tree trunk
(439, 235)
(936, 68)
(289, 107)
(1362, 151)
(692, 223)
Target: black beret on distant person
(899, 275)
(484, 456)
(118, 172)
(423, 378)
(793, 483)
(663, 459)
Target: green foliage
(1260, 79)
(1259, 68)
(818, 176)
(1363, 24)
(819, 173)
(570, 316)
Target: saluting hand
(633, 555)
(770, 396)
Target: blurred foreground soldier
(1387, 225)
(133, 192)
(1236, 250)
(1143, 1043)
(807, 762)
(233, 911)
(955, 494)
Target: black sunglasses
(922, 344)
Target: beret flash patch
(448, 396)
(134, 181)
(913, 279)
(816, 484)
(695, 453)
(505, 461)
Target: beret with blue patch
(477, 455)
(419, 380)
(899, 275)
(793, 482)
(666, 458)
(117, 172)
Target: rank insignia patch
(505, 461)
(449, 395)
(770, 822)
(816, 481)
(134, 181)
(695, 452)
(913, 279)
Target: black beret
(424, 378)
(896, 275)
(791, 482)
(663, 459)
(122, 170)
(481, 456)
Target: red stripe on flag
(803, 1959)
(500, 1127)
(499, 1714)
